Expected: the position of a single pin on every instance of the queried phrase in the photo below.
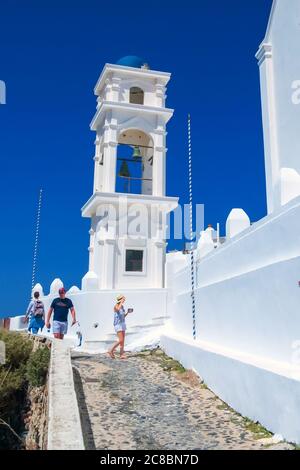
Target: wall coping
(64, 426)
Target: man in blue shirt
(61, 306)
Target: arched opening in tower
(134, 162)
(136, 95)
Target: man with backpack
(35, 314)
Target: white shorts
(120, 327)
(60, 327)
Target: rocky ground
(150, 402)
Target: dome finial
(133, 61)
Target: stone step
(146, 326)
(103, 345)
(113, 336)
(160, 320)
(165, 317)
(157, 322)
(97, 345)
(133, 333)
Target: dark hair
(36, 295)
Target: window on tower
(136, 95)
(134, 261)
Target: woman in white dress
(120, 327)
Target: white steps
(134, 332)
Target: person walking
(120, 326)
(61, 306)
(35, 314)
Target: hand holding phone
(130, 310)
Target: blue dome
(131, 61)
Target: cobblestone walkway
(149, 402)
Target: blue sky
(51, 54)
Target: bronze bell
(124, 170)
(136, 153)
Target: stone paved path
(147, 402)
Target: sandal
(111, 355)
(123, 356)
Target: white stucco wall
(280, 91)
(250, 282)
(97, 308)
(284, 35)
(247, 320)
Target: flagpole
(192, 257)
(36, 242)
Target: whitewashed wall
(248, 320)
(97, 308)
(278, 58)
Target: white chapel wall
(247, 290)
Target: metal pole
(37, 232)
(191, 228)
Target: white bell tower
(129, 206)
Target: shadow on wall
(89, 443)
